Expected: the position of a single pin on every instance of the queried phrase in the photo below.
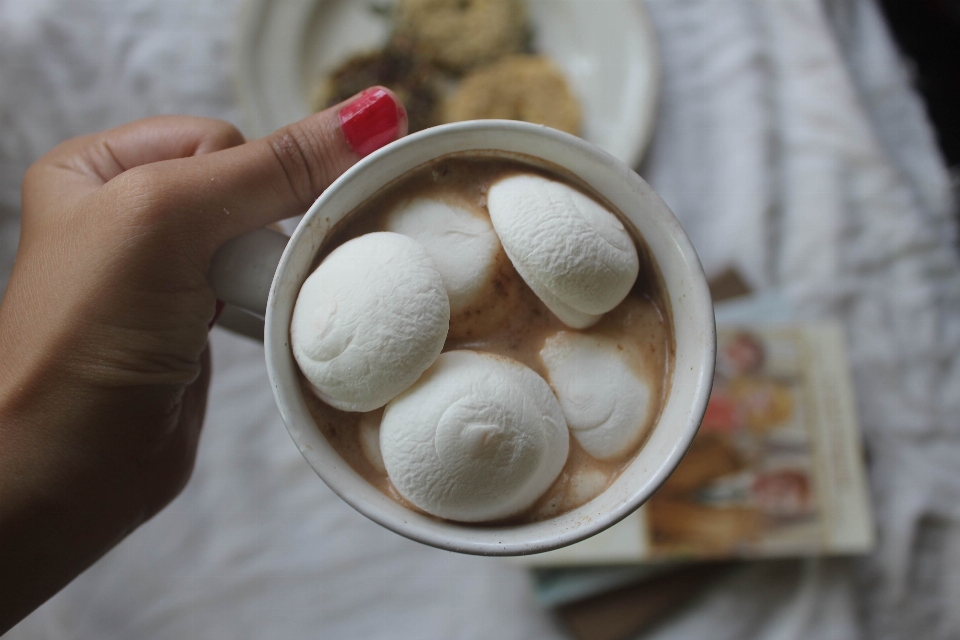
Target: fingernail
(371, 120)
(216, 313)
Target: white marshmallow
(462, 244)
(369, 321)
(585, 485)
(479, 437)
(606, 403)
(574, 253)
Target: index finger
(79, 166)
(228, 193)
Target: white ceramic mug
(247, 268)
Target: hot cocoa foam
(505, 317)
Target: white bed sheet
(790, 146)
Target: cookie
(520, 87)
(462, 34)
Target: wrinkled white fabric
(842, 199)
(788, 143)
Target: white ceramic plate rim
(259, 119)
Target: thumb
(231, 192)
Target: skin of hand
(104, 363)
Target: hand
(104, 362)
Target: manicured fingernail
(371, 120)
(216, 313)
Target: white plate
(606, 48)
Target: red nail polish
(371, 121)
(216, 313)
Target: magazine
(776, 469)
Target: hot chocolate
(608, 368)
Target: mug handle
(241, 273)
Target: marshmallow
(461, 243)
(369, 321)
(606, 402)
(574, 253)
(479, 437)
(585, 485)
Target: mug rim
(478, 538)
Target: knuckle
(224, 135)
(30, 182)
(230, 134)
(30, 176)
(304, 161)
(142, 184)
(143, 197)
(33, 198)
(154, 212)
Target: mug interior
(686, 288)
